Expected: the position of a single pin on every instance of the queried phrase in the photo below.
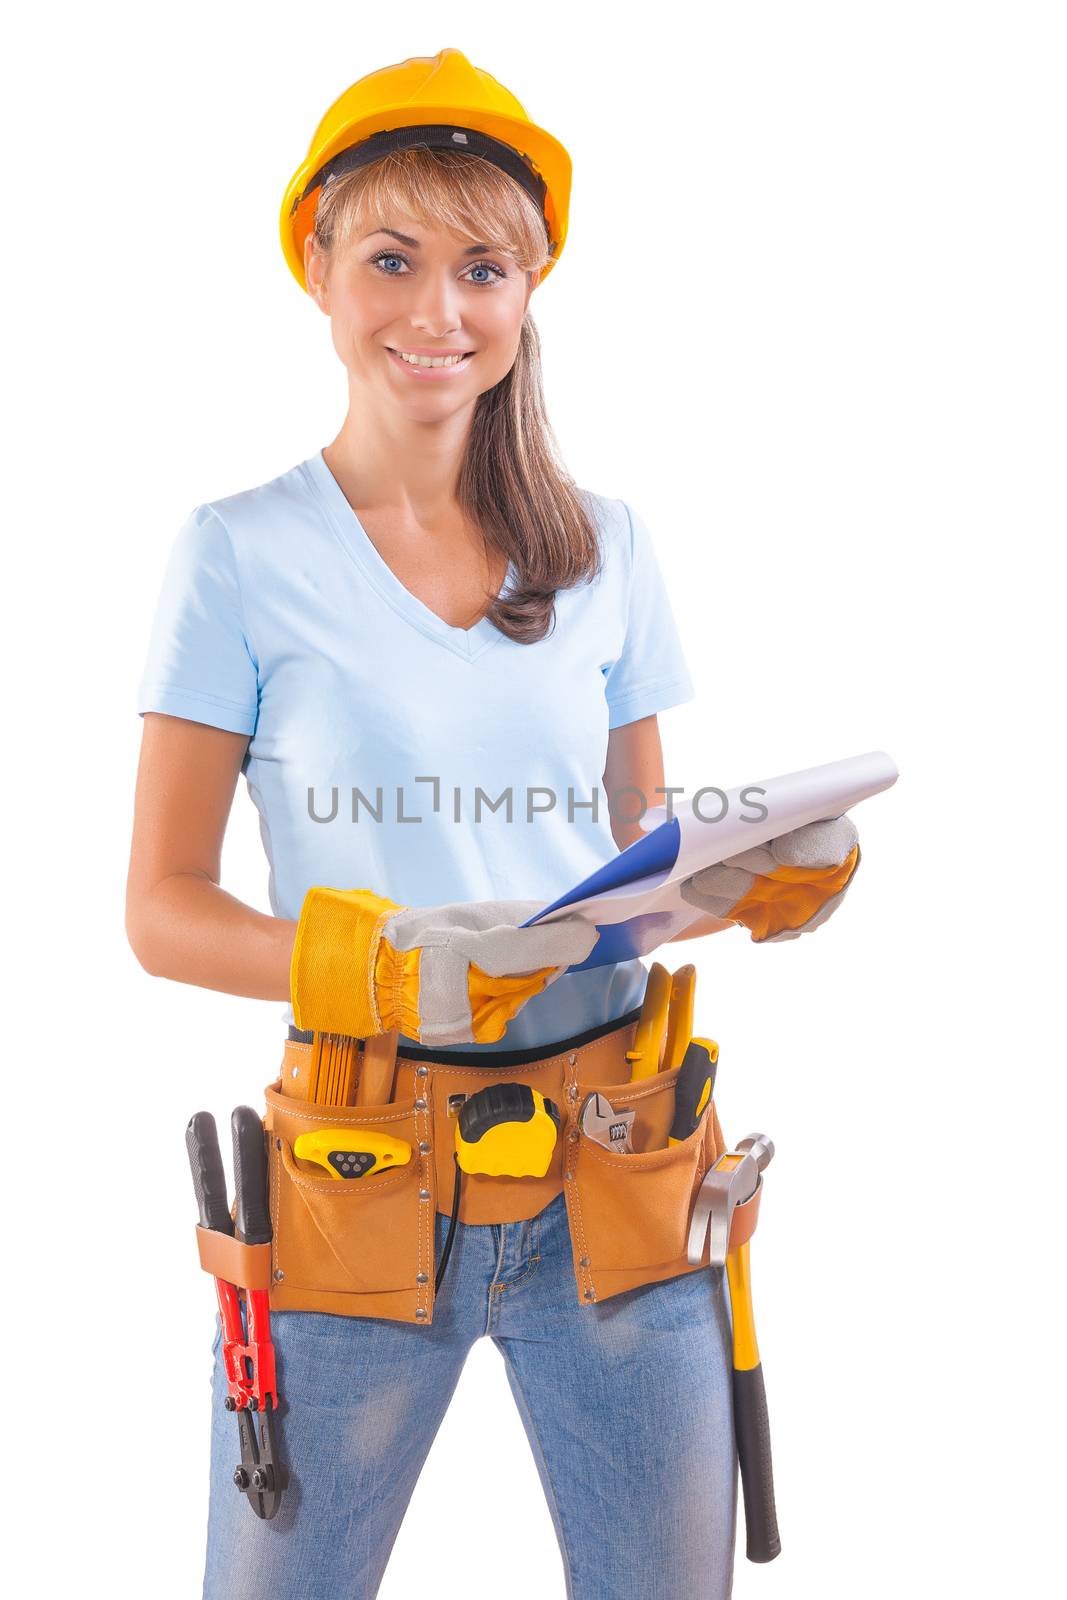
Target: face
(403, 288)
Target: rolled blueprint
(634, 900)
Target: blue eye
(388, 255)
(384, 256)
(487, 266)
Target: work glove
(454, 974)
(784, 888)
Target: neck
(385, 460)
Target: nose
(435, 304)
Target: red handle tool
(247, 1356)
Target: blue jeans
(627, 1405)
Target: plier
(248, 1357)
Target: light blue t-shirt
(385, 744)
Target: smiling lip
(430, 373)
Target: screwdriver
(693, 1087)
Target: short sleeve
(200, 664)
(650, 673)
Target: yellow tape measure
(507, 1130)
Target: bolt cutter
(248, 1357)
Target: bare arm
(635, 759)
(179, 922)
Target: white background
(810, 323)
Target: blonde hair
(512, 483)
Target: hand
(784, 888)
(451, 974)
(460, 972)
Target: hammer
(733, 1179)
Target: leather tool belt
(366, 1247)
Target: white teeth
(430, 361)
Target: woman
(424, 609)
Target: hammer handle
(754, 1458)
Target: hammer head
(733, 1179)
(759, 1147)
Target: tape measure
(507, 1130)
(352, 1152)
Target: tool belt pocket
(630, 1212)
(362, 1245)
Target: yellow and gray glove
(784, 888)
(454, 974)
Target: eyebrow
(473, 250)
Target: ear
(315, 274)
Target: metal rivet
(572, 1058)
(420, 1105)
(278, 1144)
(425, 1148)
(424, 1194)
(278, 1274)
(584, 1262)
(420, 1313)
(422, 1277)
(570, 1177)
(590, 1294)
(572, 1091)
(295, 1073)
(574, 1136)
(420, 1072)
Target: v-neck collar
(467, 642)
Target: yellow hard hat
(438, 102)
